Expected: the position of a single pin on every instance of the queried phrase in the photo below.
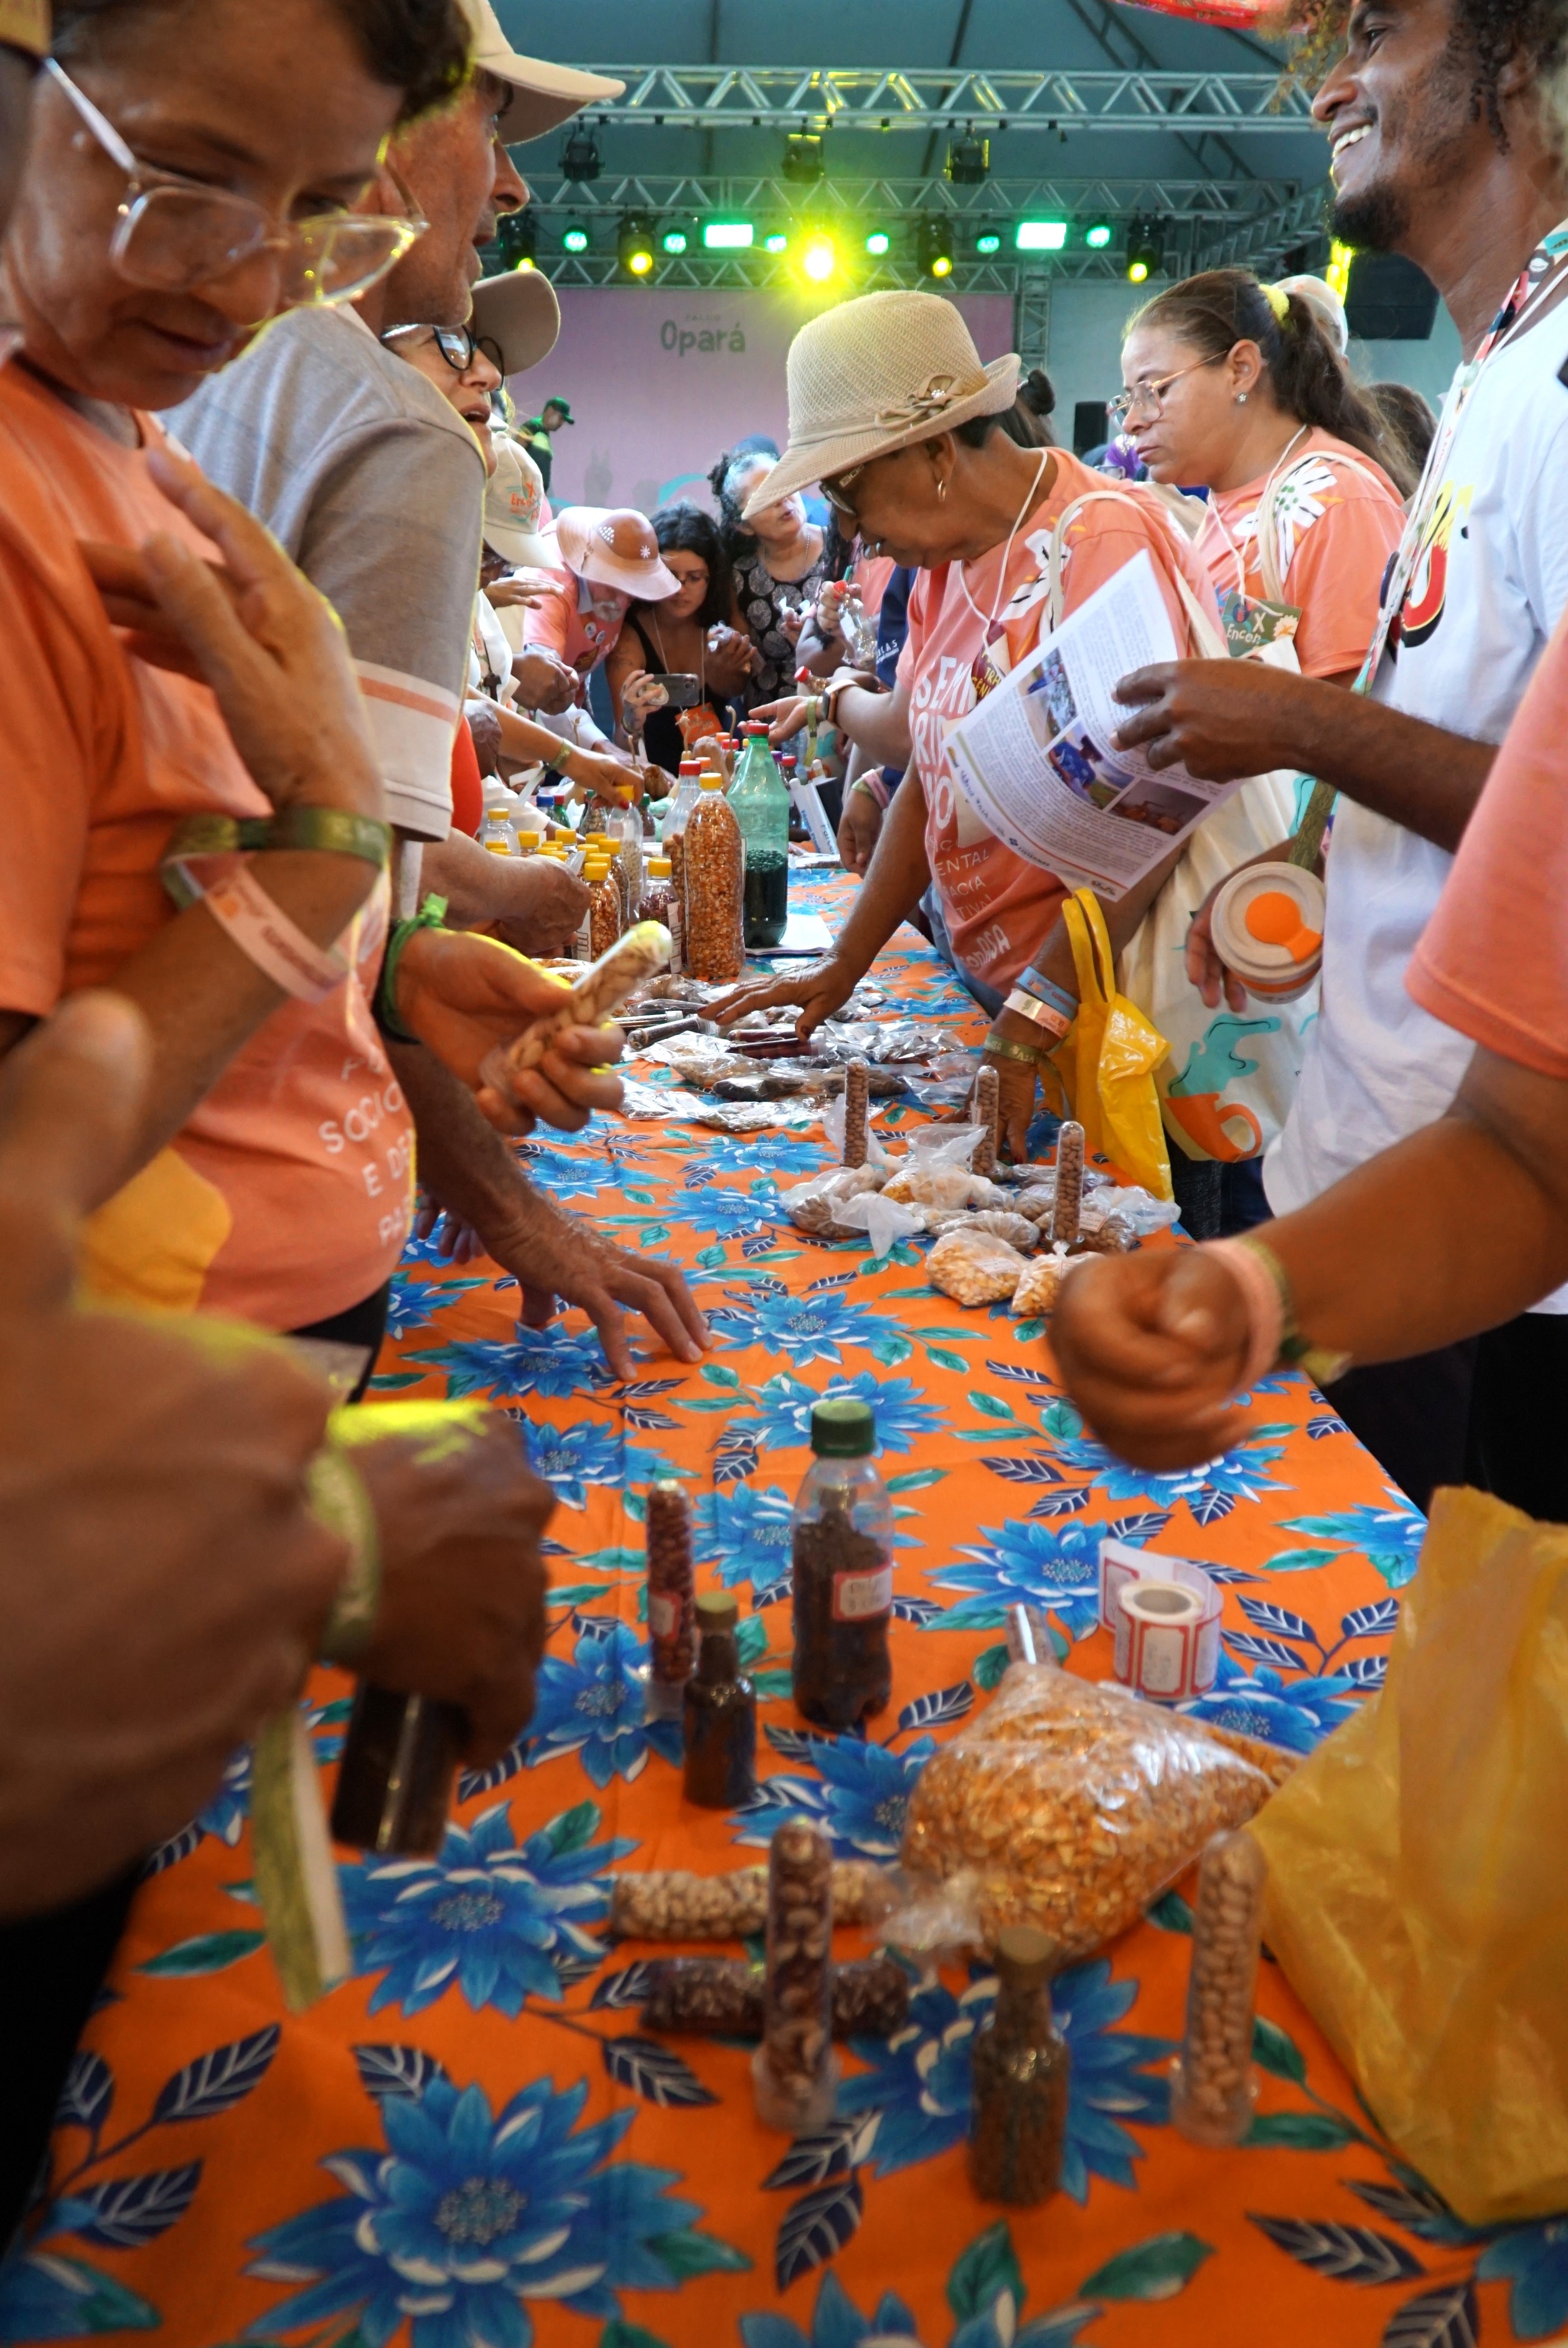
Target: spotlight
(933, 247)
(574, 239)
(987, 242)
(968, 160)
(1338, 272)
(580, 158)
(1040, 235)
(727, 236)
(674, 240)
(516, 240)
(1098, 235)
(634, 246)
(819, 258)
(776, 242)
(803, 157)
(878, 241)
(1145, 248)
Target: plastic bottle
(1021, 2067)
(719, 1712)
(399, 1766)
(496, 833)
(760, 802)
(687, 787)
(672, 1607)
(606, 910)
(1212, 2090)
(714, 868)
(794, 2071)
(659, 902)
(626, 831)
(842, 1532)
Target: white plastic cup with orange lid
(1267, 927)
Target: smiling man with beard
(1441, 151)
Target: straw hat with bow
(876, 374)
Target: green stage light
(1040, 235)
(727, 236)
(1099, 236)
(776, 242)
(574, 240)
(988, 242)
(878, 241)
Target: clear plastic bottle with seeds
(1021, 2069)
(841, 1542)
(714, 866)
(672, 1604)
(1212, 2088)
(795, 2071)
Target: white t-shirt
(1484, 597)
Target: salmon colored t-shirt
(582, 623)
(1492, 961)
(870, 574)
(286, 1197)
(1335, 530)
(998, 908)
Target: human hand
(640, 696)
(255, 630)
(459, 1243)
(484, 720)
(830, 608)
(560, 1259)
(1221, 719)
(783, 718)
(540, 905)
(1151, 1348)
(860, 829)
(158, 1445)
(820, 990)
(791, 619)
(731, 659)
(462, 995)
(1204, 968)
(462, 1617)
(1017, 1081)
(509, 594)
(545, 681)
(602, 777)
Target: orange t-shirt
(1492, 961)
(1335, 528)
(286, 1197)
(998, 908)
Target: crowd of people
(280, 611)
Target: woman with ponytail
(1234, 387)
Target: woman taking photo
(780, 559)
(1233, 387)
(692, 634)
(919, 462)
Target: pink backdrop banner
(661, 379)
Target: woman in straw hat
(891, 411)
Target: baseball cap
(562, 410)
(548, 95)
(515, 499)
(26, 24)
(519, 312)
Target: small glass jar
(795, 2071)
(672, 1604)
(841, 1546)
(1212, 2088)
(1021, 2067)
(719, 1712)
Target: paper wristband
(1265, 1304)
(265, 935)
(338, 1499)
(1042, 1015)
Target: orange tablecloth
(472, 2141)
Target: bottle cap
(1022, 1957)
(713, 782)
(842, 1428)
(750, 728)
(716, 1610)
(659, 868)
(498, 847)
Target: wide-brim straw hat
(584, 534)
(875, 375)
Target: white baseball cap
(548, 95)
(514, 502)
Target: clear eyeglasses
(173, 234)
(1147, 401)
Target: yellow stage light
(819, 260)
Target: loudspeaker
(1091, 425)
(1390, 299)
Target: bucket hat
(615, 546)
(515, 499)
(879, 374)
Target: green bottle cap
(843, 1428)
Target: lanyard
(1276, 469)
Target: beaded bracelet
(430, 916)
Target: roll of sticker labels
(1167, 1642)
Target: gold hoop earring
(941, 486)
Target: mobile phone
(682, 691)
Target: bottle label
(664, 1614)
(859, 1596)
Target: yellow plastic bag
(1418, 1899)
(1106, 1062)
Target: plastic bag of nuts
(1016, 1229)
(1070, 1807)
(974, 1267)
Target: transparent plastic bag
(974, 1267)
(1070, 1805)
(1415, 1895)
(816, 1205)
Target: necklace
(1272, 476)
(980, 667)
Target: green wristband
(330, 831)
(1002, 1047)
(430, 916)
(339, 1500)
